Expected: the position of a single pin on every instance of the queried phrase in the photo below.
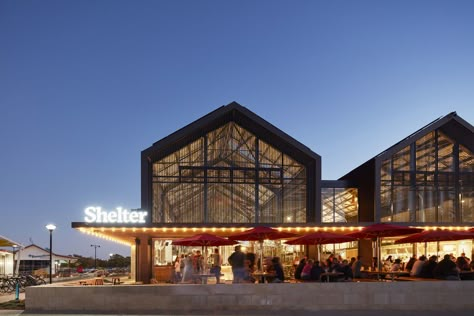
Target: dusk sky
(85, 86)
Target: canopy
(203, 240)
(260, 233)
(435, 235)
(6, 242)
(320, 238)
(384, 230)
(381, 230)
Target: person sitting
(316, 271)
(410, 263)
(415, 271)
(396, 266)
(335, 266)
(278, 268)
(446, 269)
(428, 268)
(345, 268)
(462, 264)
(299, 268)
(306, 273)
(387, 264)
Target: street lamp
(50, 227)
(14, 259)
(95, 255)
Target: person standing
(188, 268)
(216, 265)
(237, 262)
(357, 267)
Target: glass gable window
(430, 180)
(229, 176)
(339, 205)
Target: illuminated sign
(95, 214)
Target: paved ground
(292, 313)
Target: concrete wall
(242, 298)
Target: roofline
(437, 123)
(53, 253)
(220, 114)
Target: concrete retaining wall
(242, 298)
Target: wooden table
(382, 274)
(203, 277)
(328, 276)
(261, 277)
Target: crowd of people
(449, 268)
(244, 266)
(312, 270)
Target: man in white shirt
(415, 271)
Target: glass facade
(429, 181)
(229, 176)
(339, 205)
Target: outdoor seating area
(261, 268)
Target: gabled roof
(452, 125)
(46, 252)
(232, 112)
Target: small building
(8, 249)
(34, 259)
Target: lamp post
(110, 258)
(14, 259)
(50, 227)
(95, 255)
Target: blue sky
(86, 85)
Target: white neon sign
(95, 214)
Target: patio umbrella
(204, 240)
(435, 235)
(381, 230)
(320, 238)
(260, 233)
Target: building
(231, 170)
(8, 249)
(34, 259)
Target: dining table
(262, 277)
(381, 275)
(330, 276)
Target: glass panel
(434, 189)
(339, 205)
(220, 187)
(327, 198)
(426, 204)
(466, 197)
(445, 153)
(386, 170)
(466, 160)
(426, 153)
(400, 204)
(386, 202)
(401, 160)
(446, 213)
